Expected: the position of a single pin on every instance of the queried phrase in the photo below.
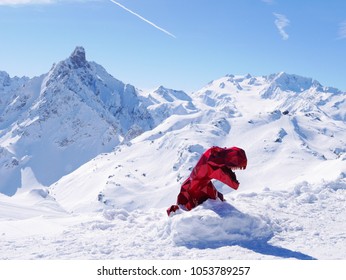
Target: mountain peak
(4, 79)
(78, 57)
(292, 82)
(171, 94)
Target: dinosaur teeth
(238, 167)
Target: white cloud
(36, 2)
(342, 30)
(24, 2)
(281, 23)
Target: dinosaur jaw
(232, 175)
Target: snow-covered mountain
(290, 137)
(52, 124)
(110, 159)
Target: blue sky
(181, 44)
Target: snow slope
(111, 204)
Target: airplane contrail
(144, 19)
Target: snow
(89, 166)
(224, 226)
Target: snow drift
(219, 224)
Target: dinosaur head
(232, 158)
(235, 158)
(227, 160)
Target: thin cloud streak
(144, 19)
(342, 30)
(281, 23)
(24, 2)
(270, 2)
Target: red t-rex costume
(216, 163)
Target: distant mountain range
(77, 128)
